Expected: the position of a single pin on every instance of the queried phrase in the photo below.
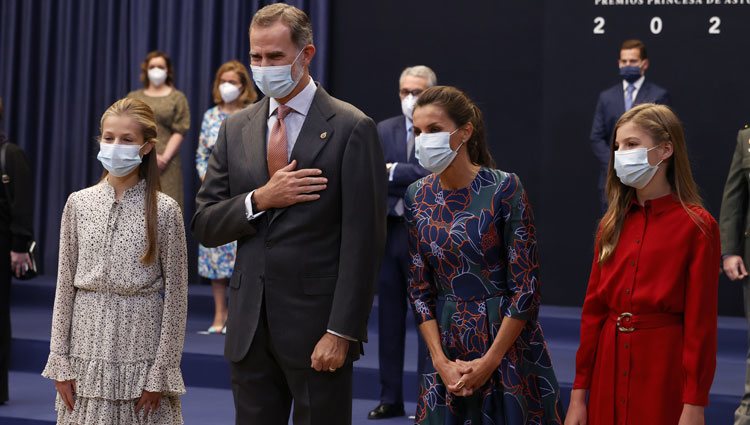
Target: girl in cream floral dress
(119, 317)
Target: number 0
(656, 25)
(599, 25)
(715, 23)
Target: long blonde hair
(661, 123)
(148, 170)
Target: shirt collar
(409, 124)
(658, 205)
(638, 83)
(300, 103)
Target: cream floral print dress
(118, 325)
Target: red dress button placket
(624, 339)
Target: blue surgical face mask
(633, 168)
(276, 81)
(631, 74)
(433, 150)
(119, 160)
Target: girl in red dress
(648, 328)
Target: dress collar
(134, 193)
(658, 205)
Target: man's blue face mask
(631, 74)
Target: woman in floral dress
(232, 91)
(474, 277)
(118, 323)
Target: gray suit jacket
(734, 221)
(314, 263)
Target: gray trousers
(742, 414)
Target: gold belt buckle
(624, 316)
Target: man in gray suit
(297, 179)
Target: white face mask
(407, 106)
(276, 81)
(633, 168)
(433, 150)
(119, 160)
(229, 92)
(157, 76)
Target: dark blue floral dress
(474, 262)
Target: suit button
(268, 244)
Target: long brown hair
(661, 123)
(461, 111)
(142, 114)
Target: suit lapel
(316, 131)
(254, 144)
(643, 94)
(399, 138)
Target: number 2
(599, 25)
(715, 23)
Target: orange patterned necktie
(278, 154)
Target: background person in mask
(634, 89)
(474, 282)
(118, 323)
(297, 179)
(397, 138)
(232, 91)
(648, 328)
(16, 232)
(172, 113)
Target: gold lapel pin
(323, 135)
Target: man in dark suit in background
(403, 169)
(613, 102)
(297, 179)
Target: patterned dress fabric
(172, 116)
(118, 325)
(213, 263)
(475, 262)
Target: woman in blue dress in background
(232, 91)
(474, 280)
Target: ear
(308, 53)
(644, 66)
(145, 150)
(667, 151)
(468, 131)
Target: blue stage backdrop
(534, 67)
(63, 62)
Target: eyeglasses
(415, 92)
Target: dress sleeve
(164, 375)
(593, 316)
(421, 285)
(204, 151)
(701, 310)
(58, 364)
(181, 123)
(515, 217)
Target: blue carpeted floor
(209, 399)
